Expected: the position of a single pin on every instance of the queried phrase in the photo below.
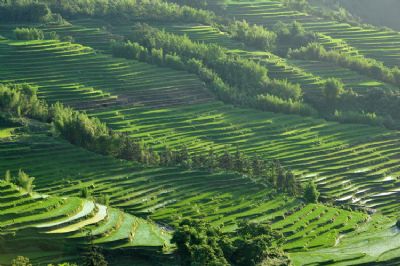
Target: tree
(198, 243)
(238, 161)
(225, 161)
(398, 223)
(256, 243)
(94, 258)
(311, 193)
(21, 261)
(25, 181)
(332, 89)
(292, 185)
(7, 176)
(211, 160)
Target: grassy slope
(37, 219)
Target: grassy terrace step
(375, 43)
(60, 220)
(285, 137)
(375, 243)
(78, 76)
(166, 194)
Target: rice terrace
(199, 132)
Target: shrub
(311, 193)
(253, 35)
(7, 176)
(21, 261)
(25, 181)
(28, 34)
(332, 89)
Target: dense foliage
(280, 39)
(116, 10)
(19, 10)
(28, 34)
(311, 193)
(198, 243)
(253, 35)
(291, 36)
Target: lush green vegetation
(32, 217)
(198, 243)
(172, 123)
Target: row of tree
(365, 66)
(117, 10)
(199, 243)
(202, 4)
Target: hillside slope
(69, 224)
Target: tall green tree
(311, 193)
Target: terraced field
(351, 164)
(38, 218)
(340, 157)
(79, 77)
(374, 43)
(166, 194)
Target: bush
(333, 88)
(253, 35)
(28, 34)
(29, 11)
(25, 181)
(311, 193)
(21, 261)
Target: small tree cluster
(198, 243)
(28, 34)
(291, 36)
(253, 35)
(22, 180)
